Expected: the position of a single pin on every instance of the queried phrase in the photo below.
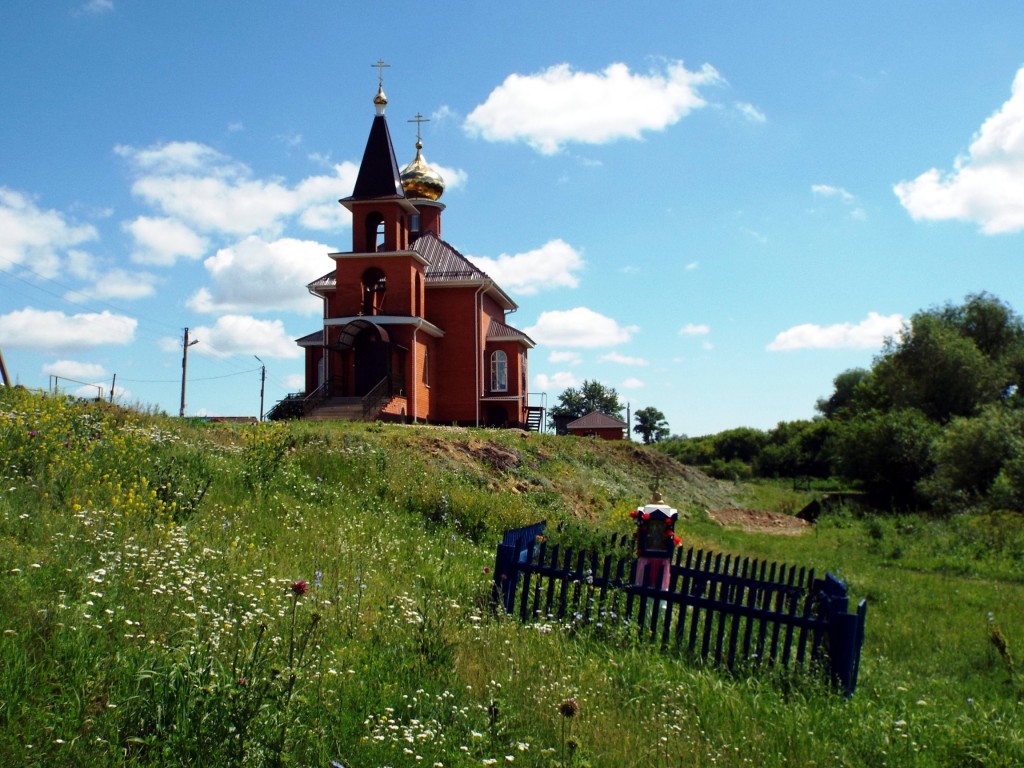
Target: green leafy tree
(843, 400)
(797, 449)
(970, 455)
(651, 425)
(743, 444)
(887, 453)
(954, 360)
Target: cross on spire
(380, 65)
(418, 120)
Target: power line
(175, 381)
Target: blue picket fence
(727, 610)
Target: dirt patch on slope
(759, 521)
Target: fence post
(845, 631)
(516, 547)
(506, 575)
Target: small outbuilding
(597, 424)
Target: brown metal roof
(444, 265)
(499, 331)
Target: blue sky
(713, 208)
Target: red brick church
(412, 330)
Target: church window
(374, 231)
(374, 286)
(499, 372)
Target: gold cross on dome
(418, 119)
(380, 65)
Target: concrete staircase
(338, 409)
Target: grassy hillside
(179, 593)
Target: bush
(970, 454)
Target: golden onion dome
(419, 180)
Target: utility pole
(3, 370)
(263, 384)
(113, 384)
(184, 368)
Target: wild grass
(176, 593)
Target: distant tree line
(936, 423)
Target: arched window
(499, 372)
(374, 231)
(374, 286)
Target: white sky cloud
(34, 237)
(559, 105)
(556, 382)
(867, 334)
(257, 276)
(750, 112)
(117, 284)
(565, 356)
(240, 334)
(206, 191)
(579, 327)
(553, 265)
(632, 383)
(827, 190)
(615, 357)
(160, 241)
(50, 330)
(986, 186)
(75, 370)
(694, 329)
(96, 7)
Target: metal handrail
(376, 397)
(318, 395)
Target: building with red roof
(412, 330)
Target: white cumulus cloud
(694, 329)
(34, 237)
(565, 356)
(559, 381)
(244, 335)
(117, 284)
(615, 357)
(72, 369)
(553, 265)
(985, 186)
(256, 276)
(161, 241)
(210, 193)
(869, 333)
(579, 327)
(51, 330)
(560, 105)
